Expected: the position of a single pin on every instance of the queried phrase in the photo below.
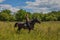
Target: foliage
(6, 15)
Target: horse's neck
(32, 22)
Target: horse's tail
(15, 25)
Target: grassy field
(43, 31)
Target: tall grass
(43, 31)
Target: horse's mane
(31, 21)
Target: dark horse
(21, 25)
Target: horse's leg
(18, 30)
(29, 30)
(32, 28)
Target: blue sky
(16, 2)
(30, 5)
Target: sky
(30, 5)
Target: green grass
(44, 31)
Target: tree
(20, 15)
(5, 15)
(6, 11)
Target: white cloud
(7, 6)
(36, 6)
(1, 1)
(43, 5)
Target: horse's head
(36, 20)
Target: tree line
(7, 15)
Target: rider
(27, 20)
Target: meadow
(44, 31)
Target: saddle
(27, 24)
